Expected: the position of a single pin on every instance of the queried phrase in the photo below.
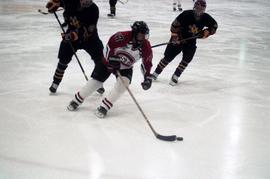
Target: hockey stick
(159, 136)
(46, 13)
(161, 44)
(69, 42)
(73, 50)
(123, 1)
(166, 43)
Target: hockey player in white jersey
(123, 50)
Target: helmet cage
(199, 7)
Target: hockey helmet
(199, 7)
(140, 27)
(86, 3)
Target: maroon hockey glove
(146, 84)
(72, 36)
(53, 5)
(175, 40)
(204, 34)
(113, 64)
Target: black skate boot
(112, 14)
(174, 7)
(101, 112)
(180, 8)
(174, 80)
(53, 88)
(72, 106)
(154, 76)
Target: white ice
(221, 106)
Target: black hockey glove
(113, 64)
(146, 84)
(175, 40)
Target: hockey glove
(53, 5)
(146, 84)
(175, 40)
(113, 64)
(72, 36)
(204, 34)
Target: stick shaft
(137, 104)
(157, 135)
(166, 43)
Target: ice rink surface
(221, 106)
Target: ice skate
(174, 80)
(101, 112)
(174, 6)
(72, 106)
(154, 76)
(180, 8)
(53, 88)
(111, 15)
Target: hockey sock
(59, 72)
(113, 9)
(106, 104)
(91, 86)
(162, 64)
(181, 67)
(174, 6)
(116, 92)
(78, 98)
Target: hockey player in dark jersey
(112, 8)
(81, 17)
(190, 23)
(123, 50)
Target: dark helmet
(86, 3)
(140, 26)
(199, 7)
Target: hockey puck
(179, 138)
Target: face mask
(199, 9)
(142, 36)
